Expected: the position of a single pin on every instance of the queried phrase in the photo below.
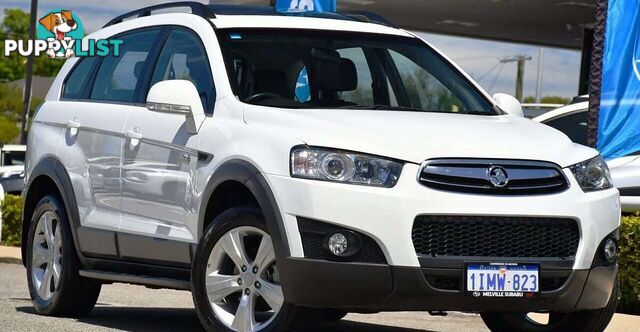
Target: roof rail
(197, 8)
(369, 17)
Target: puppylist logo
(59, 35)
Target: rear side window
(79, 78)
(118, 77)
(183, 58)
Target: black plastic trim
(98, 242)
(379, 287)
(599, 259)
(458, 262)
(137, 268)
(147, 249)
(630, 191)
(197, 8)
(598, 288)
(136, 279)
(243, 172)
(362, 248)
(52, 168)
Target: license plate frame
(522, 292)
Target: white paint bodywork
(625, 171)
(264, 136)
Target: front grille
(484, 236)
(473, 176)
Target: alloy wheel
(46, 259)
(242, 281)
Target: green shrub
(629, 262)
(11, 208)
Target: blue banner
(619, 124)
(306, 5)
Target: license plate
(502, 280)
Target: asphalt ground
(136, 308)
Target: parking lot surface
(136, 308)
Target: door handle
(73, 126)
(134, 137)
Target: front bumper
(387, 214)
(378, 287)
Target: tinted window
(77, 81)
(573, 125)
(183, 58)
(118, 77)
(330, 69)
(424, 91)
(363, 94)
(12, 158)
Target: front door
(160, 160)
(95, 113)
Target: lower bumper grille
(485, 236)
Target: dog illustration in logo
(60, 24)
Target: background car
(572, 120)
(532, 110)
(12, 168)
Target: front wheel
(235, 280)
(587, 320)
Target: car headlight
(592, 174)
(341, 166)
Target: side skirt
(137, 280)
(137, 273)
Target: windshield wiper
(380, 107)
(478, 113)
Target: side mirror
(178, 97)
(508, 104)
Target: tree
(11, 111)
(8, 131)
(548, 100)
(15, 26)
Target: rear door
(160, 162)
(96, 110)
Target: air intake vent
(483, 236)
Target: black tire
(75, 295)
(584, 321)
(225, 222)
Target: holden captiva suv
(308, 164)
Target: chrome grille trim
(471, 176)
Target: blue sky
(477, 57)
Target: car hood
(417, 136)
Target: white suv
(273, 163)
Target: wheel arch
(49, 177)
(242, 175)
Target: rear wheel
(52, 264)
(588, 320)
(236, 284)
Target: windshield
(322, 69)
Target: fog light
(610, 250)
(338, 244)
